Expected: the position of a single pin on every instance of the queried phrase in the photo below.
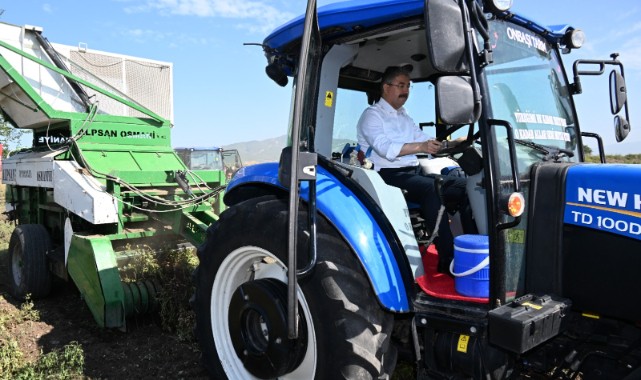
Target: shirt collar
(385, 106)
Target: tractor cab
(211, 158)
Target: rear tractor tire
(241, 303)
(27, 264)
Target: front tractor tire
(241, 303)
(27, 264)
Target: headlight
(573, 39)
(499, 5)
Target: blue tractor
(319, 270)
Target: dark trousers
(421, 190)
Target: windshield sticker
(525, 38)
(536, 118)
(541, 134)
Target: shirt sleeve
(370, 126)
(419, 135)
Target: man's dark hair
(388, 76)
(392, 72)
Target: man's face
(397, 91)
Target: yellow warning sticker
(329, 99)
(532, 305)
(463, 341)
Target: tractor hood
(584, 240)
(605, 198)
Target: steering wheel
(460, 147)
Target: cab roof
(351, 17)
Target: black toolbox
(527, 321)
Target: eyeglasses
(401, 86)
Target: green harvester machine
(100, 179)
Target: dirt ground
(142, 352)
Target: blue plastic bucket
(471, 265)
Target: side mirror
(446, 36)
(621, 128)
(455, 103)
(275, 73)
(618, 94)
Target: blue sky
(221, 93)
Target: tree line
(611, 158)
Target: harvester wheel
(28, 270)
(241, 302)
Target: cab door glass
(350, 105)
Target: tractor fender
(352, 219)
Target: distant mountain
(257, 151)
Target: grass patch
(172, 269)
(176, 314)
(26, 313)
(66, 363)
(6, 228)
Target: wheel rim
(243, 265)
(17, 264)
(258, 326)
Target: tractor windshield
(206, 160)
(527, 88)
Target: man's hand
(431, 146)
(449, 144)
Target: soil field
(144, 351)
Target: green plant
(11, 357)
(171, 268)
(27, 311)
(10, 137)
(142, 264)
(6, 228)
(175, 314)
(65, 363)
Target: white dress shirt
(386, 130)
